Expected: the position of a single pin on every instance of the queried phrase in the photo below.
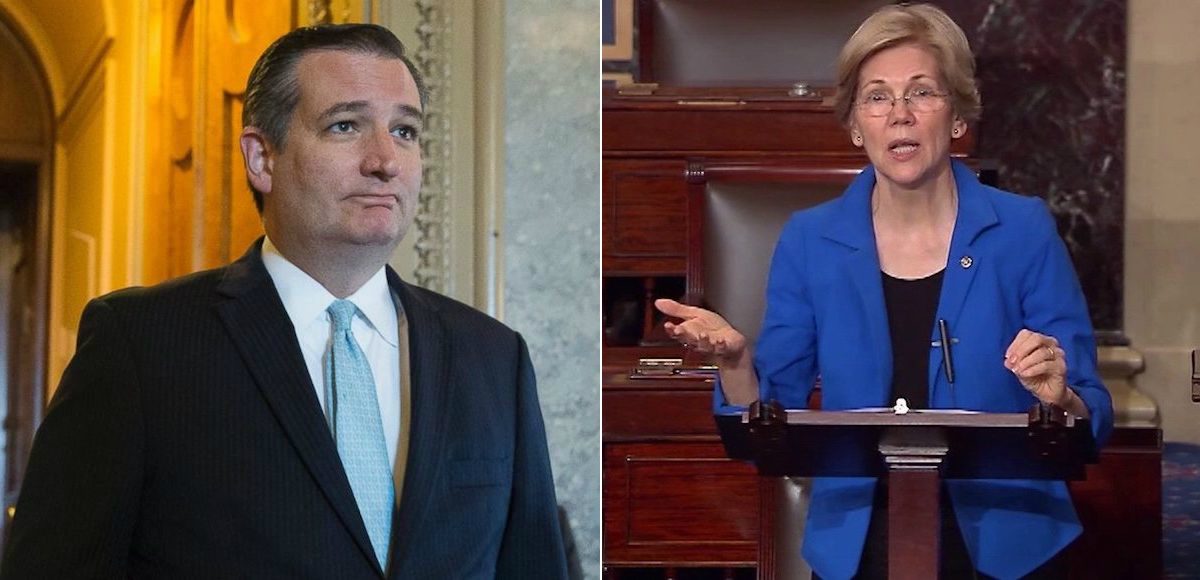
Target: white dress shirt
(306, 300)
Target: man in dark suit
(302, 412)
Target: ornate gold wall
(145, 170)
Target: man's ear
(259, 158)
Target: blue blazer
(1007, 270)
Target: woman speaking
(916, 256)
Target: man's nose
(381, 157)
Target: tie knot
(342, 312)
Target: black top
(911, 307)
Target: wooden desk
(672, 500)
(671, 497)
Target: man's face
(350, 169)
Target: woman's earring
(858, 139)
(955, 132)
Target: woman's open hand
(702, 330)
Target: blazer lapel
(851, 227)
(975, 214)
(263, 333)
(429, 364)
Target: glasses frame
(939, 97)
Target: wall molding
(30, 32)
(95, 62)
(434, 221)
(453, 246)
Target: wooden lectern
(914, 451)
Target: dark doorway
(20, 321)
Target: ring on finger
(1051, 355)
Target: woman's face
(909, 144)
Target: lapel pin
(966, 262)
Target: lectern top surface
(885, 416)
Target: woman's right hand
(702, 330)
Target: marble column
(551, 245)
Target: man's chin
(373, 239)
(378, 241)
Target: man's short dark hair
(273, 90)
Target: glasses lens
(925, 101)
(876, 104)
(919, 101)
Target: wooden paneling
(700, 129)
(663, 508)
(728, 122)
(81, 247)
(236, 33)
(670, 496)
(1120, 505)
(657, 410)
(172, 203)
(201, 213)
(644, 203)
(678, 503)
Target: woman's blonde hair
(926, 26)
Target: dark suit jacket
(186, 441)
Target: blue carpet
(1181, 511)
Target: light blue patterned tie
(358, 428)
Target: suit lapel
(851, 227)
(401, 459)
(429, 364)
(975, 214)
(263, 333)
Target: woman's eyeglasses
(919, 100)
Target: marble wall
(551, 245)
(1081, 132)
(1052, 79)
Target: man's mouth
(377, 198)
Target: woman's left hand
(1040, 365)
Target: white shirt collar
(305, 299)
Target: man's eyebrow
(357, 106)
(345, 107)
(411, 111)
